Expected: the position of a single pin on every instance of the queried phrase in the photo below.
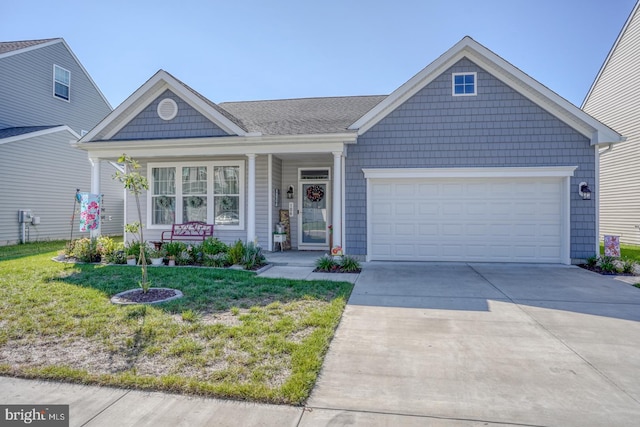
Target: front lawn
(232, 335)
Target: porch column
(95, 189)
(336, 217)
(251, 199)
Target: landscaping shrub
(628, 266)
(236, 252)
(326, 263)
(133, 248)
(608, 265)
(252, 256)
(86, 250)
(349, 264)
(174, 249)
(213, 246)
(219, 260)
(592, 261)
(194, 253)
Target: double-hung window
(194, 193)
(61, 82)
(208, 192)
(226, 195)
(163, 195)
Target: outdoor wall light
(290, 192)
(584, 191)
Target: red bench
(188, 231)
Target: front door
(313, 219)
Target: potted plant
(156, 256)
(131, 259)
(173, 251)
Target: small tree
(135, 184)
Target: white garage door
(478, 219)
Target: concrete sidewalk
(306, 273)
(105, 407)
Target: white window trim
(54, 83)
(210, 195)
(475, 84)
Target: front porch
(306, 189)
(294, 258)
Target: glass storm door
(313, 215)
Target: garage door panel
(380, 190)
(491, 219)
(452, 208)
(424, 250)
(406, 229)
(385, 229)
(404, 190)
(427, 208)
(383, 208)
(426, 230)
(404, 209)
(451, 230)
(428, 190)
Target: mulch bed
(152, 295)
(597, 269)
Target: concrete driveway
(476, 344)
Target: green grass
(626, 251)
(233, 334)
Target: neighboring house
(470, 160)
(614, 99)
(47, 100)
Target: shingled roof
(21, 44)
(16, 131)
(301, 116)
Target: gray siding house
(615, 102)
(469, 160)
(47, 100)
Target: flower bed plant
(343, 264)
(210, 253)
(610, 265)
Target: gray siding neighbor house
(616, 102)
(47, 100)
(469, 160)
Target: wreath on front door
(315, 193)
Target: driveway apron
(542, 345)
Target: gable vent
(167, 109)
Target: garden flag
(612, 246)
(89, 211)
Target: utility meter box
(24, 215)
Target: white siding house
(48, 100)
(614, 99)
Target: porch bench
(194, 230)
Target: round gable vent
(167, 109)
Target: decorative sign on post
(612, 246)
(89, 211)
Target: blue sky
(250, 50)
